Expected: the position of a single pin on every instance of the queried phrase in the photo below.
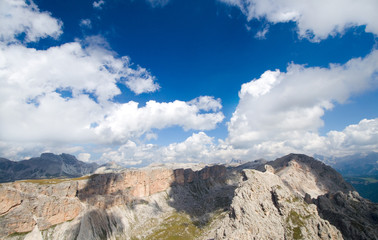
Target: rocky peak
(304, 174)
(265, 208)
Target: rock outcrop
(264, 208)
(45, 203)
(356, 217)
(304, 174)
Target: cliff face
(304, 174)
(45, 203)
(264, 208)
(294, 197)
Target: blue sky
(138, 81)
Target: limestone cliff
(294, 197)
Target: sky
(144, 81)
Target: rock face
(294, 197)
(27, 204)
(48, 165)
(356, 217)
(264, 208)
(304, 174)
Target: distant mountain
(361, 170)
(361, 164)
(48, 165)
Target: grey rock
(354, 216)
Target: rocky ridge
(265, 208)
(216, 202)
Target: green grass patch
(362, 179)
(176, 226)
(295, 218)
(297, 233)
(365, 185)
(297, 222)
(370, 179)
(179, 225)
(20, 235)
(53, 180)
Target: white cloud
(35, 106)
(140, 81)
(198, 148)
(158, 3)
(17, 17)
(24, 150)
(85, 157)
(281, 112)
(316, 19)
(262, 33)
(128, 121)
(61, 98)
(85, 23)
(361, 137)
(131, 154)
(195, 148)
(150, 136)
(207, 103)
(53, 99)
(98, 4)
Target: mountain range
(360, 164)
(292, 197)
(361, 170)
(48, 165)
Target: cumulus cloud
(98, 4)
(361, 137)
(198, 148)
(131, 154)
(84, 157)
(206, 103)
(315, 19)
(64, 95)
(59, 99)
(41, 86)
(140, 81)
(128, 121)
(24, 150)
(281, 112)
(85, 23)
(17, 17)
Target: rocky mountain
(48, 165)
(293, 197)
